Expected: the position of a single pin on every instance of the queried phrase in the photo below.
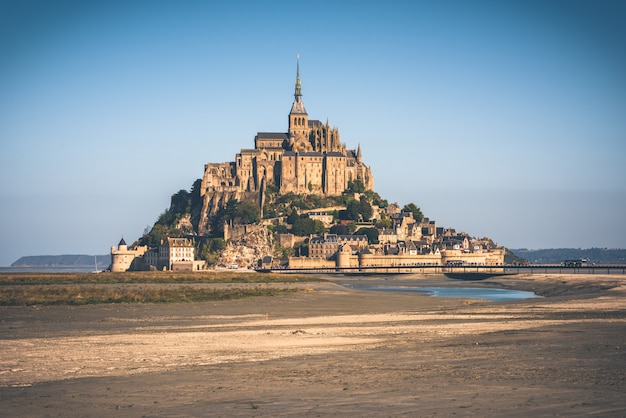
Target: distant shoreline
(50, 269)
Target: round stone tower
(343, 256)
(122, 257)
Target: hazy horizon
(499, 119)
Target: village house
(327, 245)
(177, 254)
(324, 217)
(387, 236)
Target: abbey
(308, 159)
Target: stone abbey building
(307, 159)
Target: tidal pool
(485, 293)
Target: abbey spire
(298, 106)
(298, 118)
(298, 93)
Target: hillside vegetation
(287, 212)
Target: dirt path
(325, 351)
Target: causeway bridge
(469, 270)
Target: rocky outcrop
(185, 224)
(215, 200)
(248, 249)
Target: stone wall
(310, 263)
(286, 240)
(493, 257)
(370, 260)
(344, 258)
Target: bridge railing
(460, 269)
(561, 269)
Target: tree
(166, 218)
(371, 233)
(279, 229)
(307, 226)
(339, 229)
(357, 210)
(417, 212)
(375, 199)
(293, 217)
(271, 189)
(384, 221)
(366, 209)
(183, 203)
(269, 211)
(211, 250)
(247, 213)
(180, 201)
(353, 210)
(154, 237)
(236, 212)
(315, 201)
(356, 186)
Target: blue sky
(501, 119)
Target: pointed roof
(298, 106)
(122, 242)
(298, 86)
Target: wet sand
(328, 350)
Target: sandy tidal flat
(328, 350)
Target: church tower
(298, 118)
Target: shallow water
(485, 293)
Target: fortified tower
(122, 257)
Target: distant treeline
(557, 255)
(71, 260)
